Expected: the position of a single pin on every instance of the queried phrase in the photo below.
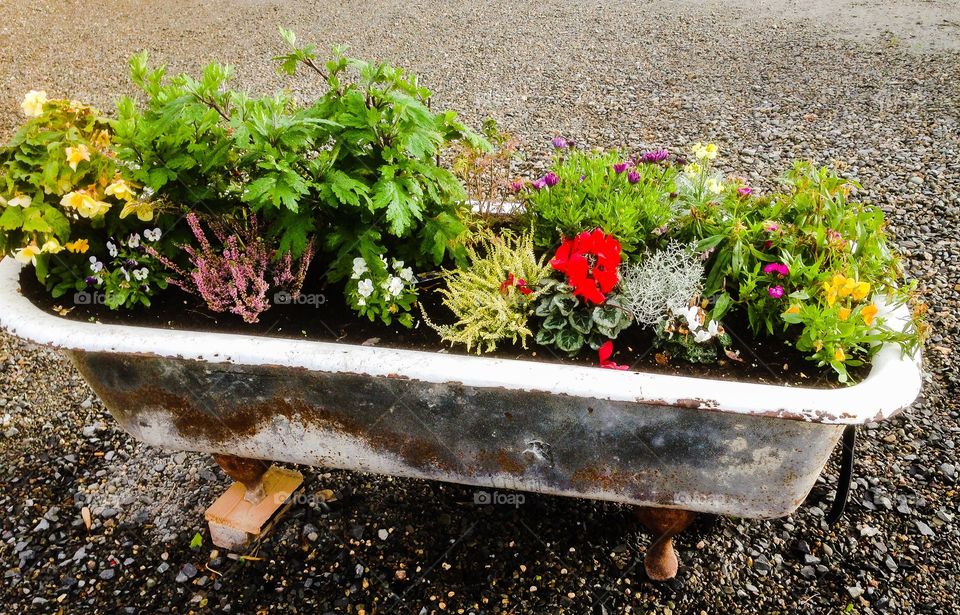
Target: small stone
(808, 572)
(856, 591)
(924, 528)
(108, 574)
(383, 534)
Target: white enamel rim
(892, 384)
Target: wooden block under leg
(235, 521)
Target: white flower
(33, 102)
(125, 274)
(112, 249)
(95, 265)
(365, 287)
(19, 201)
(361, 301)
(359, 267)
(714, 185)
(152, 235)
(397, 265)
(407, 274)
(141, 274)
(134, 241)
(395, 286)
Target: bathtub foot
(252, 504)
(661, 561)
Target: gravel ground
(870, 84)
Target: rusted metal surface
(638, 453)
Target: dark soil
(763, 359)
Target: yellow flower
(51, 246)
(844, 313)
(861, 290)
(79, 246)
(121, 190)
(714, 185)
(86, 205)
(830, 293)
(692, 169)
(846, 288)
(27, 254)
(143, 209)
(793, 309)
(838, 355)
(705, 152)
(818, 345)
(77, 154)
(868, 313)
(33, 103)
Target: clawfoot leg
(661, 561)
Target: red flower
(605, 352)
(520, 283)
(590, 261)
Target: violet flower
(654, 156)
(539, 184)
(516, 186)
(551, 179)
(744, 190)
(775, 291)
(773, 226)
(620, 167)
(633, 177)
(559, 142)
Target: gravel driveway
(872, 84)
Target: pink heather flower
(778, 268)
(773, 226)
(551, 179)
(539, 184)
(620, 167)
(559, 142)
(744, 190)
(657, 155)
(633, 177)
(516, 186)
(775, 291)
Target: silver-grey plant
(663, 283)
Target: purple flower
(559, 142)
(91, 280)
(583, 177)
(657, 155)
(773, 226)
(551, 179)
(775, 291)
(620, 167)
(539, 184)
(633, 177)
(744, 190)
(778, 268)
(516, 186)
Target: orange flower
(838, 355)
(868, 313)
(844, 313)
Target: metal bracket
(846, 475)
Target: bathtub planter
(664, 444)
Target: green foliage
(492, 298)
(358, 166)
(568, 324)
(591, 194)
(816, 233)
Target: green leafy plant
(568, 323)
(601, 190)
(691, 334)
(493, 297)
(381, 291)
(486, 172)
